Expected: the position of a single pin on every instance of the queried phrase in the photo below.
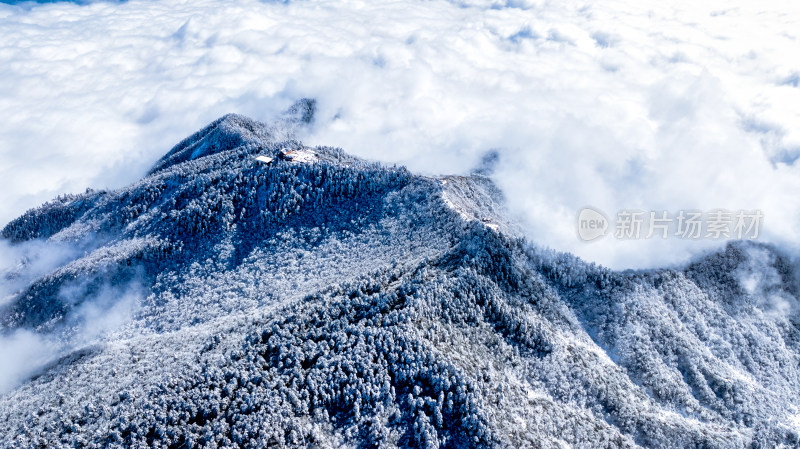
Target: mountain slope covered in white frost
(331, 302)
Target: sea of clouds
(618, 104)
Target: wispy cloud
(24, 351)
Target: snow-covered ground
(302, 156)
(221, 301)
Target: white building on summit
(290, 155)
(287, 154)
(298, 155)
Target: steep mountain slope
(326, 301)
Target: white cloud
(619, 104)
(762, 281)
(20, 264)
(23, 351)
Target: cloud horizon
(616, 106)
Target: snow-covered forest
(335, 302)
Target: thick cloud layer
(615, 105)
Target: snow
(264, 159)
(348, 303)
(303, 156)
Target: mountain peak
(233, 131)
(226, 133)
(252, 291)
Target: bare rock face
(325, 301)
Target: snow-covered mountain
(312, 299)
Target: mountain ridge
(329, 302)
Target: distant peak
(226, 133)
(303, 110)
(235, 130)
(488, 163)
